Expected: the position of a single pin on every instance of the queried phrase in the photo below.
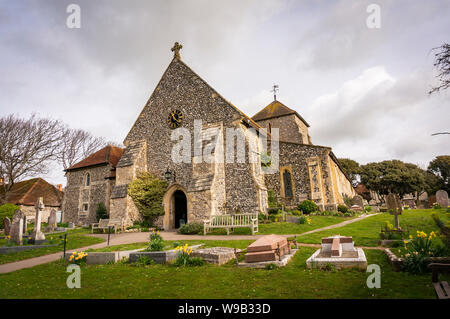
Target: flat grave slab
(267, 248)
(215, 255)
(263, 264)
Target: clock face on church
(175, 118)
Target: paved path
(129, 238)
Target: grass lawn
(75, 239)
(211, 281)
(286, 228)
(366, 232)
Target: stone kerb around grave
(159, 257)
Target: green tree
(147, 192)
(440, 167)
(7, 210)
(432, 183)
(393, 176)
(352, 169)
(101, 211)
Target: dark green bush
(342, 208)
(307, 207)
(101, 212)
(273, 211)
(192, 228)
(7, 210)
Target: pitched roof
(276, 109)
(27, 192)
(245, 118)
(107, 155)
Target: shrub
(273, 211)
(272, 199)
(342, 208)
(307, 207)
(7, 210)
(184, 257)
(101, 212)
(262, 217)
(304, 220)
(275, 218)
(156, 242)
(191, 228)
(144, 261)
(147, 192)
(368, 209)
(347, 214)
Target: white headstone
(37, 234)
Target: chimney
(59, 187)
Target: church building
(200, 188)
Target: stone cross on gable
(275, 90)
(176, 50)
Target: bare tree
(26, 147)
(76, 145)
(116, 144)
(442, 64)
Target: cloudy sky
(362, 90)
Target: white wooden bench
(103, 224)
(231, 221)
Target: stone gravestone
(25, 224)
(17, 227)
(51, 221)
(7, 226)
(394, 206)
(358, 200)
(37, 236)
(442, 198)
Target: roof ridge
(220, 95)
(22, 198)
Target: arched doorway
(180, 208)
(176, 207)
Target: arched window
(287, 181)
(88, 179)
